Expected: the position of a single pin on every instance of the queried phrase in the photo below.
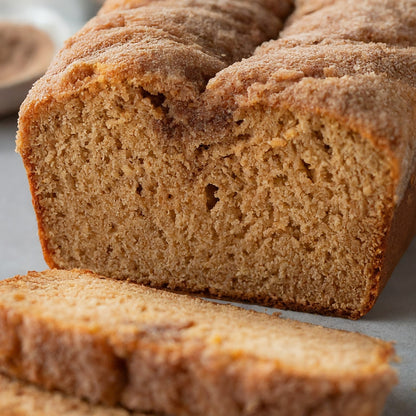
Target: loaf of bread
(21, 399)
(114, 342)
(192, 146)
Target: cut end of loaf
(277, 207)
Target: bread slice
(156, 153)
(22, 399)
(118, 342)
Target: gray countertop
(393, 317)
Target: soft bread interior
(285, 209)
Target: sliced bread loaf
(118, 342)
(156, 153)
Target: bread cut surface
(214, 147)
(118, 342)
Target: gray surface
(393, 318)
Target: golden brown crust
(280, 8)
(180, 355)
(390, 22)
(357, 69)
(401, 231)
(165, 43)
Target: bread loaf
(157, 153)
(118, 342)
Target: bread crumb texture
(115, 342)
(235, 148)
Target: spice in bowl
(25, 52)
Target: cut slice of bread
(18, 398)
(118, 342)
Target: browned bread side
(157, 153)
(117, 342)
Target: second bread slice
(22, 399)
(118, 342)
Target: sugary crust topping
(386, 21)
(279, 8)
(176, 46)
(353, 60)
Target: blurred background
(31, 32)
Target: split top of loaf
(255, 150)
(118, 342)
